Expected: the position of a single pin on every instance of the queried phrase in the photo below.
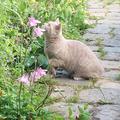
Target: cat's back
(85, 58)
(78, 46)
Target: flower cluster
(37, 31)
(32, 77)
(37, 74)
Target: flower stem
(49, 90)
(19, 100)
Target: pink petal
(37, 74)
(38, 32)
(24, 79)
(32, 21)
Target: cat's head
(53, 28)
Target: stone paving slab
(111, 65)
(112, 43)
(114, 8)
(112, 18)
(103, 112)
(109, 56)
(117, 31)
(62, 108)
(112, 25)
(93, 10)
(98, 14)
(112, 75)
(106, 112)
(90, 37)
(95, 4)
(62, 92)
(106, 43)
(108, 84)
(112, 22)
(97, 30)
(91, 22)
(109, 97)
(105, 95)
(106, 49)
(110, 14)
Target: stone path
(104, 38)
(102, 96)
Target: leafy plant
(21, 53)
(73, 99)
(84, 114)
(71, 116)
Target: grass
(111, 33)
(109, 2)
(52, 100)
(99, 43)
(104, 102)
(73, 99)
(118, 77)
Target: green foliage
(14, 29)
(27, 101)
(84, 114)
(99, 43)
(73, 99)
(21, 52)
(118, 77)
(71, 116)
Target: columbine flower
(24, 79)
(37, 74)
(38, 32)
(33, 77)
(32, 22)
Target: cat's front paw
(52, 72)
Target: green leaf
(85, 116)
(2, 118)
(58, 117)
(22, 6)
(71, 117)
(57, 1)
(42, 60)
(29, 61)
(85, 106)
(30, 107)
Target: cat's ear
(58, 24)
(57, 20)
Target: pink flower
(32, 22)
(24, 79)
(33, 77)
(37, 74)
(38, 32)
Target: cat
(71, 55)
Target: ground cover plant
(24, 83)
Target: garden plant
(25, 85)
